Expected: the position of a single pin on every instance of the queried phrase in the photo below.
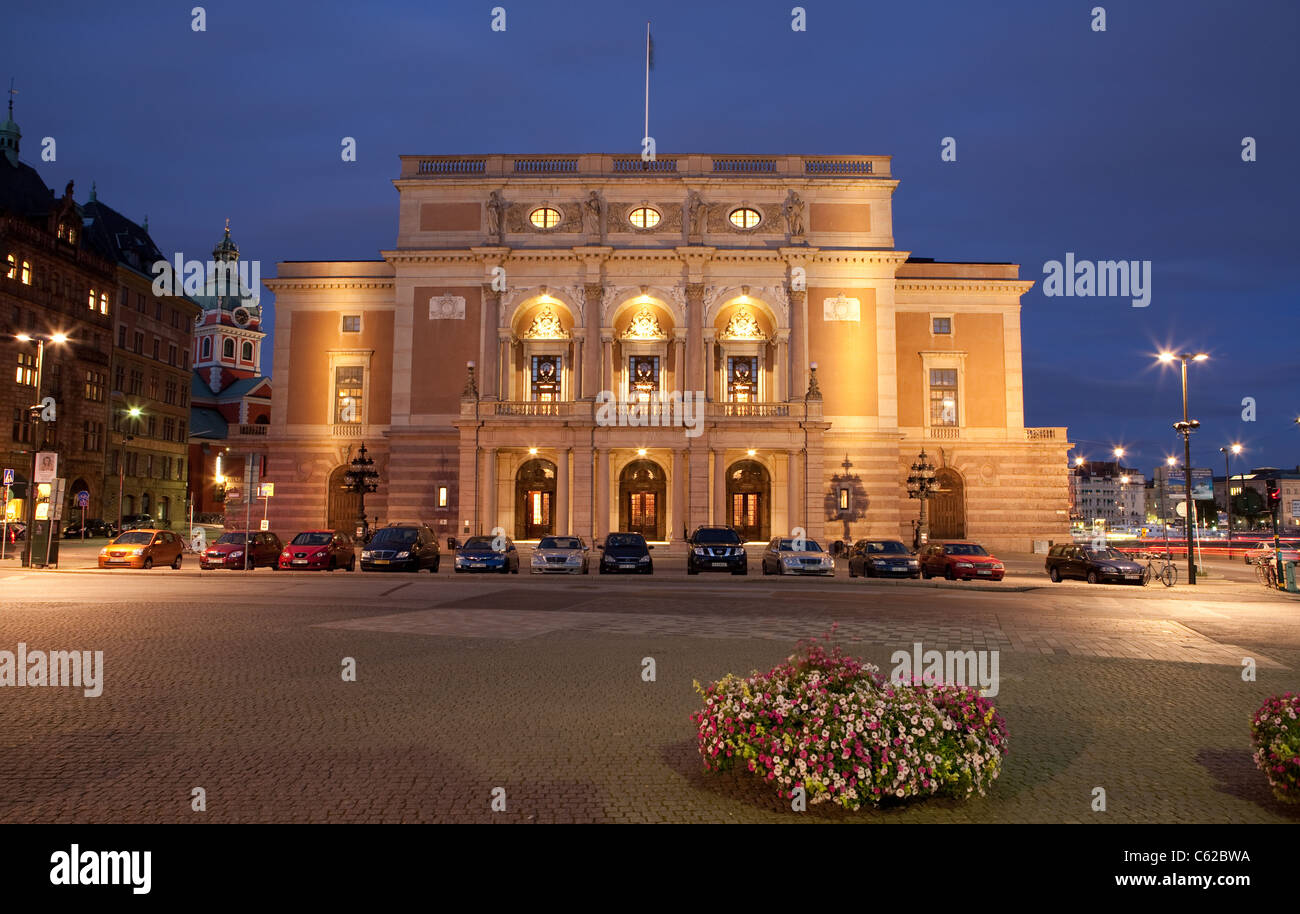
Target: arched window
(207, 348)
(164, 510)
(228, 348)
(247, 354)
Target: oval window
(644, 217)
(544, 217)
(745, 218)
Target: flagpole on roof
(647, 80)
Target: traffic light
(1274, 499)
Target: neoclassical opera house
(587, 343)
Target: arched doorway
(342, 506)
(535, 499)
(642, 487)
(78, 485)
(948, 506)
(749, 500)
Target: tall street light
(40, 432)
(1227, 453)
(133, 413)
(921, 485)
(1185, 428)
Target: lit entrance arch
(642, 492)
(535, 499)
(749, 500)
(948, 506)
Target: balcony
(347, 430)
(728, 410)
(596, 165)
(252, 429)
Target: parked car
(402, 547)
(93, 527)
(883, 558)
(1264, 553)
(1094, 564)
(627, 553)
(143, 549)
(960, 561)
(716, 549)
(487, 554)
(560, 555)
(787, 555)
(314, 550)
(138, 522)
(228, 552)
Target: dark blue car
(626, 553)
(487, 554)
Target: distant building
(146, 466)
(230, 400)
(1256, 481)
(1105, 491)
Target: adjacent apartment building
(588, 343)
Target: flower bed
(836, 727)
(1275, 731)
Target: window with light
(943, 396)
(544, 217)
(745, 218)
(644, 217)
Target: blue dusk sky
(1122, 144)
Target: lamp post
(921, 485)
(362, 478)
(39, 436)
(1227, 487)
(133, 413)
(1185, 428)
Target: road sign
(266, 490)
(9, 476)
(83, 499)
(266, 525)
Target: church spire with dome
(9, 132)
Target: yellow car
(143, 549)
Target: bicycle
(1266, 574)
(1166, 572)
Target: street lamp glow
(1171, 460)
(134, 412)
(1078, 461)
(1200, 357)
(1118, 452)
(1167, 356)
(1236, 449)
(24, 337)
(59, 338)
(1124, 479)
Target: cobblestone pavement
(234, 685)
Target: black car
(138, 522)
(626, 553)
(402, 547)
(1095, 564)
(882, 558)
(715, 549)
(93, 527)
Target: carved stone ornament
(546, 326)
(842, 308)
(743, 326)
(644, 326)
(447, 308)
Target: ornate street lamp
(361, 478)
(921, 485)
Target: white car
(787, 555)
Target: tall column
(695, 335)
(489, 484)
(677, 520)
(562, 492)
(710, 370)
(578, 384)
(794, 483)
(602, 493)
(799, 344)
(607, 374)
(583, 505)
(719, 487)
(593, 301)
(679, 365)
(503, 371)
(781, 369)
(491, 348)
(697, 498)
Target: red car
(314, 550)
(228, 552)
(967, 561)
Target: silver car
(560, 555)
(787, 555)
